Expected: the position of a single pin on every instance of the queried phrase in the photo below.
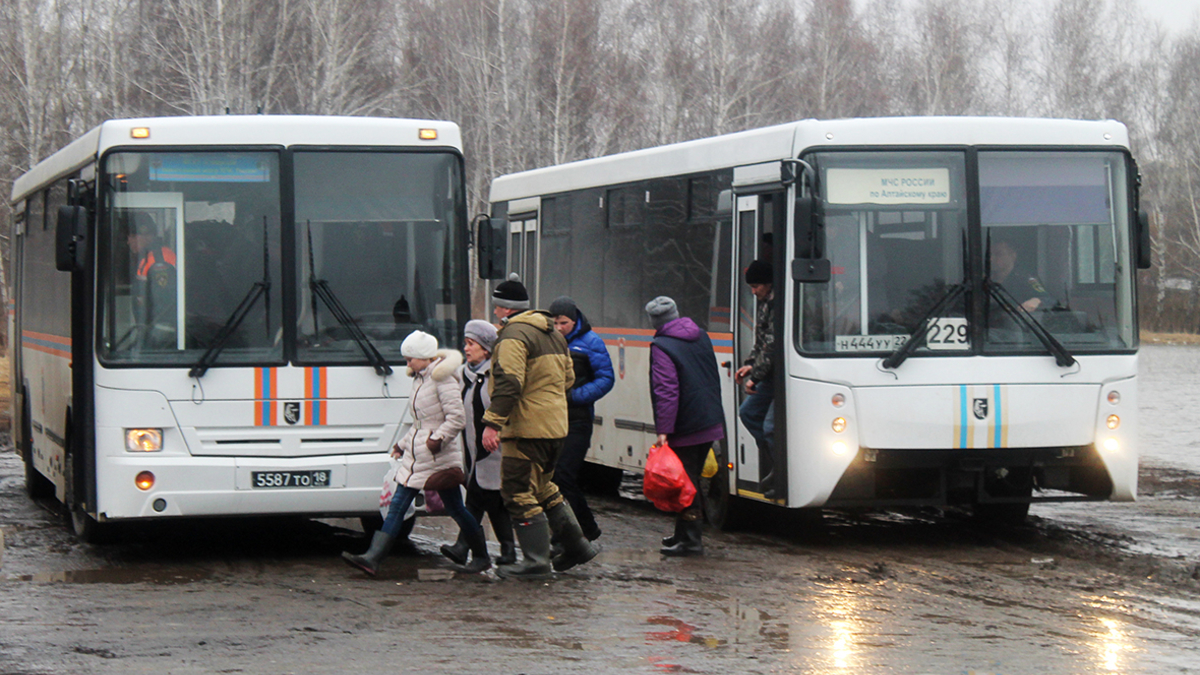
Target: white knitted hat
(419, 345)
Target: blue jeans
(757, 413)
(452, 498)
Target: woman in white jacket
(431, 446)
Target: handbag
(665, 483)
(446, 479)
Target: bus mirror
(1143, 241)
(71, 238)
(492, 246)
(810, 265)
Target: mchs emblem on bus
(291, 411)
(980, 408)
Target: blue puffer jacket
(582, 340)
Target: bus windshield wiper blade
(231, 324)
(901, 353)
(320, 289)
(1010, 305)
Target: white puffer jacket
(437, 410)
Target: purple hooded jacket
(664, 385)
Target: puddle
(117, 576)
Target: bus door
(522, 251)
(756, 219)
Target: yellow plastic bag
(710, 465)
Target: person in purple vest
(686, 390)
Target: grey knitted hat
(564, 306)
(481, 332)
(661, 310)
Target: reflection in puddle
(1112, 642)
(838, 607)
(118, 576)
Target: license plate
(290, 479)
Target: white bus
(207, 311)
(955, 300)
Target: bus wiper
(260, 288)
(1010, 305)
(231, 324)
(901, 353)
(320, 288)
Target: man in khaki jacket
(527, 422)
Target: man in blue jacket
(593, 379)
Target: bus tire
(723, 510)
(86, 528)
(37, 486)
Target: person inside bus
(756, 374)
(483, 467)
(153, 279)
(593, 379)
(1026, 288)
(430, 449)
(685, 388)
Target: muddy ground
(1108, 588)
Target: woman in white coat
(431, 446)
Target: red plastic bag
(666, 484)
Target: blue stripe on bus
(999, 415)
(962, 411)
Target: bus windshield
(186, 238)
(386, 254)
(1054, 233)
(895, 230)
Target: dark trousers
(527, 475)
(566, 477)
(481, 501)
(692, 457)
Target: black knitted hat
(760, 272)
(511, 294)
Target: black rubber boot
(674, 538)
(480, 560)
(690, 542)
(576, 548)
(368, 562)
(534, 535)
(457, 552)
(508, 553)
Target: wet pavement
(1083, 588)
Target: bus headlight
(1111, 445)
(143, 440)
(1113, 421)
(839, 425)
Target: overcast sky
(1174, 15)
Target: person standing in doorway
(756, 374)
(527, 422)
(686, 390)
(593, 379)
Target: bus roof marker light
(139, 132)
(427, 134)
(144, 481)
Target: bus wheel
(37, 486)
(724, 511)
(86, 528)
